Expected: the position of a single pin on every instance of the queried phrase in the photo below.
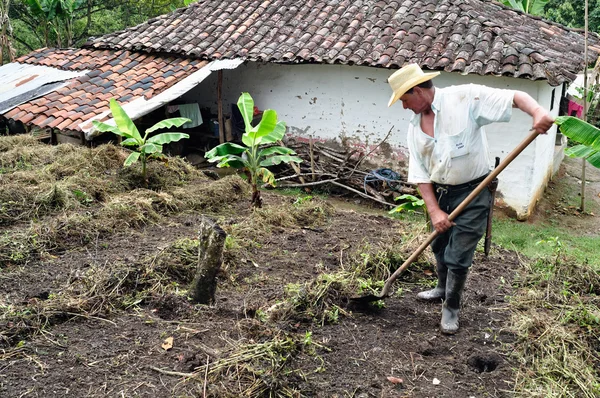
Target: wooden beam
(220, 106)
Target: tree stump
(210, 257)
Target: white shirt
(458, 151)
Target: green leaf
(130, 142)
(225, 149)
(150, 148)
(411, 203)
(123, 121)
(233, 161)
(579, 131)
(165, 138)
(103, 127)
(536, 7)
(266, 125)
(132, 158)
(579, 151)
(168, 123)
(248, 140)
(280, 150)
(276, 135)
(246, 106)
(277, 159)
(266, 176)
(594, 160)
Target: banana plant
(254, 157)
(533, 7)
(144, 147)
(586, 135)
(66, 10)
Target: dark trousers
(454, 248)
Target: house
(323, 65)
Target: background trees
(68, 23)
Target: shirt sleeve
(491, 105)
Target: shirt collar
(435, 106)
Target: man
(448, 159)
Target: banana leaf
(279, 150)
(246, 106)
(165, 138)
(123, 121)
(132, 158)
(276, 135)
(587, 135)
(234, 161)
(266, 176)
(103, 127)
(150, 148)
(579, 131)
(130, 142)
(228, 148)
(168, 123)
(277, 159)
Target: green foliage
(571, 13)
(585, 134)
(51, 23)
(254, 158)
(410, 204)
(533, 7)
(144, 147)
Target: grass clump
(259, 369)
(318, 301)
(556, 319)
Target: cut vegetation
(95, 274)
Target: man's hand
(542, 121)
(439, 220)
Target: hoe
(483, 185)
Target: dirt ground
(395, 351)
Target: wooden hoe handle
(482, 185)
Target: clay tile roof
(467, 36)
(87, 96)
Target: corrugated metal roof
(101, 75)
(20, 83)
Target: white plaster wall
(350, 102)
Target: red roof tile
(467, 36)
(87, 96)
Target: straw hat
(406, 78)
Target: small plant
(144, 147)
(253, 158)
(411, 204)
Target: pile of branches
(324, 165)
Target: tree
(52, 23)
(571, 13)
(6, 32)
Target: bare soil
(119, 352)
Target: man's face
(415, 101)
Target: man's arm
(439, 218)
(542, 121)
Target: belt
(447, 189)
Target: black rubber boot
(455, 285)
(439, 292)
